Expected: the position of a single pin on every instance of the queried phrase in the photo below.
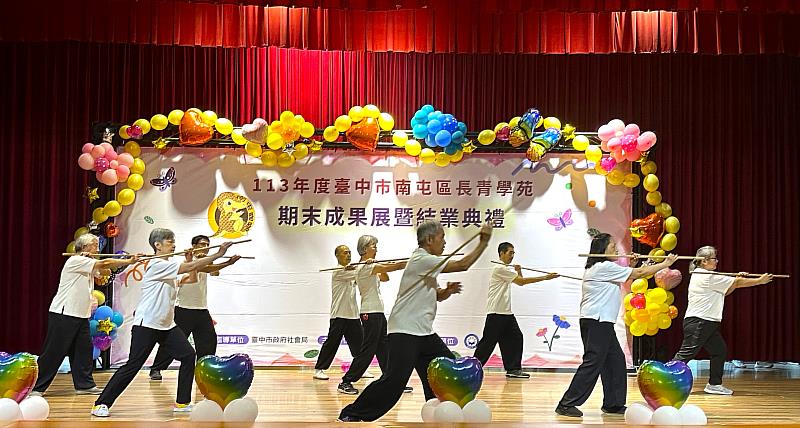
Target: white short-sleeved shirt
(74, 295)
(156, 308)
(369, 288)
(499, 301)
(415, 308)
(600, 294)
(343, 294)
(194, 295)
(707, 295)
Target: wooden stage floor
(768, 396)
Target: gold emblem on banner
(230, 215)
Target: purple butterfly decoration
(561, 220)
(167, 180)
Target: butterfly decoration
(168, 179)
(561, 220)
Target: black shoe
(570, 411)
(348, 419)
(408, 390)
(517, 374)
(347, 388)
(614, 410)
(155, 374)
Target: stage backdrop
(275, 308)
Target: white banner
(276, 307)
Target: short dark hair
(599, 244)
(503, 247)
(196, 240)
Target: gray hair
(84, 241)
(158, 235)
(428, 229)
(704, 252)
(363, 242)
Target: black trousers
(406, 353)
(376, 344)
(143, 340)
(603, 357)
(699, 333)
(199, 324)
(66, 336)
(340, 327)
(502, 329)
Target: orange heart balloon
(364, 134)
(648, 230)
(193, 131)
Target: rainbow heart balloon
(455, 380)
(224, 379)
(18, 374)
(665, 384)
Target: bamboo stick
(190, 250)
(377, 261)
(540, 271)
(640, 256)
(749, 275)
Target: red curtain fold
(726, 153)
(445, 27)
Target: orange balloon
(193, 130)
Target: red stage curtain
(716, 27)
(727, 153)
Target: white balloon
(666, 415)
(207, 411)
(477, 411)
(638, 414)
(428, 408)
(9, 410)
(241, 410)
(34, 409)
(448, 411)
(692, 415)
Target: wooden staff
(442, 262)
(241, 257)
(540, 271)
(376, 261)
(190, 250)
(749, 275)
(640, 256)
(98, 255)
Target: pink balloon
(628, 143)
(100, 164)
(86, 161)
(87, 148)
(113, 164)
(107, 146)
(618, 156)
(632, 129)
(646, 141)
(123, 172)
(633, 155)
(608, 163)
(668, 278)
(98, 152)
(110, 155)
(604, 146)
(614, 143)
(109, 177)
(617, 125)
(125, 159)
(605, 133)
(97, 175)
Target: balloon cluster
(622, 143)
(18, 373)
(224, 382)
(521, 129)
(110, 168)
(665, 387)
(455, 384)
(649, 310)
(195, 127)
(361, 126)
(436, 130)
(279, 137)
(103, 326)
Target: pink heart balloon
(256, 132)
(668, 278)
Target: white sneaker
(320, 375)
(183, 408)
(717, 389)
(763, 365)
(367, 375)
(739, 364)
(101, 411)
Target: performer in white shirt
(68, 318)
(153, 322)
(704, 314)
(501, 324)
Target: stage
(763, 396)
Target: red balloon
(638, 301)
(648, 230)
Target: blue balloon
(93, 327)
(458, 137)
(427, 108)
(421, 114)
(113, 334)
(434, 115)
(103, 312)
(434, 126)
(447, 116)
(430, 140)
(443, 138)
(462, 127)
(101, 243)
(415, 122)
(95, 353)
(452, 149)
(117, 319)
(450, 124)
(420, 131)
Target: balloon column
(280, 138)
(224, 381)
(455, 383)
(649, 310)
(103, 326)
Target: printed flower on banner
(561, 322)
(542, 331)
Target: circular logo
(230, 215)
(471, 341)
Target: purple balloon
(102, 342)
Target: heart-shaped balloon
(224, 379)
(364, 134)
(648, 230)
(193, 131)
(256, 132)
(18, 374)
(668, 278)
(665, 384)
(455, 380)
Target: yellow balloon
(653, 308)
(442, 159)
(343, 123)
(641, 315)
(626, 301)
(594, 153)
(413, 147)
(457, 156)
(101, 298)
(238, 138)
(652, 331)
(372, 111)
(552, 122)
(135, 181)
(287, 118)
(628, 318)
(269, 158)
(669, 241)
(275, 141)
(126, 196)
(664, 209)
(285, 160)
(670, 299)
(112, 208)
(615, 177)
(299, 119)
(356, 113)
(71, 247)
(580, 143)
(399, 138)
(223, 126)
(664, 321)
(175, 117)
(98, 216)
(275, 126)
(650, 183)
(649, 167)
(427, 155)
(138, 166)
(653, 198)
(253, 149)
(514, 121)
(144, 124)
(672, 225)
(499, 126)
(306, 129)
(657, 252)
(657, 296)
(600, 170)
(631, 180)
(638, 328)
(133, 148)
(330, 133)
(300, 150)
(487, 137)
(639, 286)
(123, 132)
(159, 122)
(386, 121)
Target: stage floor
(764, 396)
